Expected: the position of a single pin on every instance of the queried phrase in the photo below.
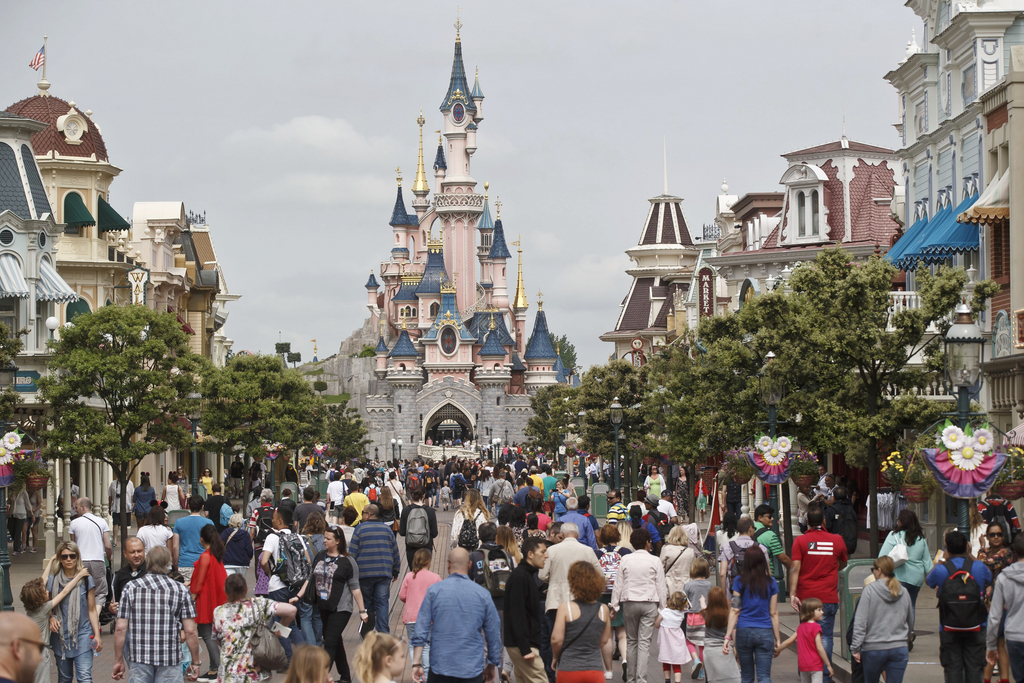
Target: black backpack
(736, 564)
(264, 524)
(294, 567)
(661, 522)
(468, 538)
(961, 607)
(846, 526)
(458, 486)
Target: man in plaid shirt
(157, 608)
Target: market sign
(137, 280)
(706, 292)
(26, 381)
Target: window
(801, 218)
(814, 212)
(498, 400)
(434, 309)
(968, 87)
(9, 315)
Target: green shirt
(769, 539)
(549, 486)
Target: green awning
(75, 213)
(110, 219)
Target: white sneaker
(607, 675)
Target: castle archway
(448, 422)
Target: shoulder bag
(899, 553)
(267, 651)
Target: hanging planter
(805, 480)
(1010, 480)
(36, 482)
(736, 467)
(1009, 491)
(918, 493)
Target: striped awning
(1014, 437)
(51, 286)
(12, 279)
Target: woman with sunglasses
(78, 632)
(207, 481)
(997, 556)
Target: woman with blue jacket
(919, 559)
(238, 550)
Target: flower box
(805, 480)
(36, 482)
(1009, 490)
(917, 493)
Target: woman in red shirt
(207, 588)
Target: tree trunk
(873, 482)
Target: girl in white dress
(172, 494)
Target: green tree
(346, 431)
(282, 348)
(368, 352)
(554, 415)
(294, 357)
(119, 385)
(320, 386)
(254, 399)
(566, 351)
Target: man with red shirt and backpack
(817, 558)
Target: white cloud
(319, 136)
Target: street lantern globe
(965, 344)
(393, 442)
(399, 442)
(769, 383)
(615, 412)
(194, 415)
(7, 375)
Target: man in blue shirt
(573, 516)
(376, 554)
(519, 499)
(186, 537)
(962, 648)
(457, 644)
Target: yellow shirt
(208, 483)
(536, 480)
(358, 501)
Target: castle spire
(520, 303)
(419, 186)
(458, 87)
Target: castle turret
(371, 293)
(381, 353)
(519, 304)
(440, 165)
(540, 356)
(428, 291)
(478, 98)
(498, 257)
(404, 226)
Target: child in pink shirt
(810, 653)
(413, 590)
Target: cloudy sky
(284, 122)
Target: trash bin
(321, 486)
(599, 500)
(851, 585)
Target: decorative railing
(438, 452)
(906, 301)
(471, 202)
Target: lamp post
(194, 419)
(7, 375)
(393, 442)
(399, 449)
(375, 449)
(771, 389)
(965, 345)
(580, 416)
(615, 416)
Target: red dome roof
(48, 109)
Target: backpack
(428, 480)
(468, 538)
(371, 493)
(413, 481)
(504, 494)
(661, 523)
(417, 527)
(961, 607)
(225, 514)
(264, 524)
(736, 563)
(846, 526)
(610, 566)
(497, 569)
(458, 486)
(294, 567)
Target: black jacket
(431, 519)
(523, 609)
(124, 576)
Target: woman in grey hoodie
(1008, 608)
(884, 620)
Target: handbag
(899, 554)
(267, 651)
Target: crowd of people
(536, 587)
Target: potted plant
(908, 472)
(30, 472)
(1010, 480)
(803, 468)
(735, 466)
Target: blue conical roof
(458, 88)
(486, 222)
(561, 374)
(381, 346)
(434, 273)
(403, 347)
(439, 161)
(477, 92)
(539, 347)
(372, 282)
(498, 247)
(492, 346)
(399, 216)
(480, 324)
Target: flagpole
(44, 56)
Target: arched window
(434, 309)
(498, 399)
(414, 312)
(412, 244)
(801, 218)
(814, 212)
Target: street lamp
(7, 375)
(393, 442)
(579, 426)
(615, 415)
(194, 419)
(399, 449)
(375, 449)
(965, 345)
(771, 389)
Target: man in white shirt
(336, 492)
(639, 592)
(277, 589)
(92, 535)
(666, 507)
(114, 501)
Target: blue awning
(51, 286)
(908, 242)
(913, 254)
(951, 237)
(12, 279)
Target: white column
(97, 486)
(793, 514)
(758, 492)
(105, 479)
(51, 495)
(745, 502)
(85, 477)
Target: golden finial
(540, 300)
(403, 323)
(458, 22)
(497, 206)
(520, 303)
(420, 186)
(493, 326)
(486, 185)
(398, 172)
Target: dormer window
(801, 214)
(815, 213)
(806, 217)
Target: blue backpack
(225, 514)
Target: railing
(438, 452)
(906, 301)
(458, 201)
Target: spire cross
(497, 205)
(421, 120)
(458, 21)
(398, 170)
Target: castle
(453, 360)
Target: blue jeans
(1015, 648)
(411, 628)
(893, 662)
(828, 628)
(912, 591)
(77, 668)
(307, 622)
(147, 673)
(756, 648)
(295, 637)
(376, 595)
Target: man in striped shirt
(376, 553)
(616, 508)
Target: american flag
(39, 59)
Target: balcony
(906, 301)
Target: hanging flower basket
(805, 480)
(36, 482)
(917, 493)
(1009, 490)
